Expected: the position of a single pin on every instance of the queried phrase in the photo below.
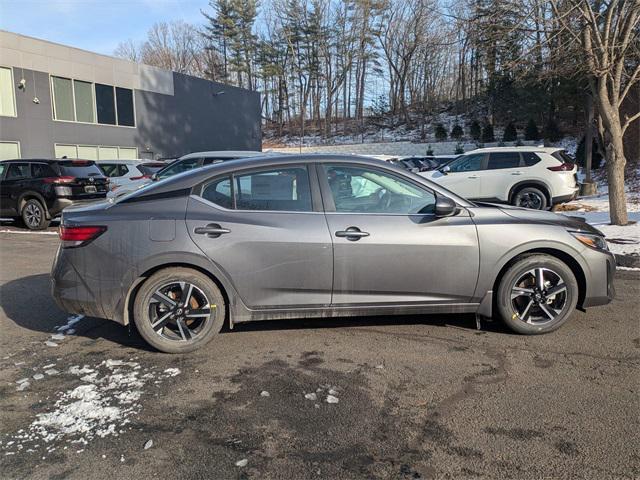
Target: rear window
(563, 156)
(149, 168)
(79, 168)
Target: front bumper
(600, 288)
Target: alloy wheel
(539, 296)
(530, 200)
(33, 215)
(179, 311)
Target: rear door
(388, 246)
(265, 228)
(16, 181)
(502, 170)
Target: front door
(463, 176)
(264, 230)
(388, 245)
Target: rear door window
(282, 189)
(17, 171)
(503, 160)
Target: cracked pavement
(419, 396)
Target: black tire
(172, 337)
(34, 215)
(530, 197)
(513, 311)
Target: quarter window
(285, 189)
(219, 192)
(530, 158)
(363, 190)
(466, 163)
(7, 93)
(503, 160)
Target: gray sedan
(319, 236)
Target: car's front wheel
(537, 294)
(34, 215)
(178, 310)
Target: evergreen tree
(429, 151)
(475, 130)
(459, 149)
(457, 132)
(552, 131)
(487, 133)
(440, 132)
(531, 131)
(510, 133)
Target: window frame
(13, 94)
(327, 194)
(95, 106)
(314, 187)
(97, 147)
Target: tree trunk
(615, 179)
(588, 140)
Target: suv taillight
(59, 180)
(76, 236)
(140, 177)
(565, 167)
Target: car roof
(224, 154)
(120, 160)
(521, 148)
(186, 180)
(45, 160)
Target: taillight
(76, 236)
(141, 177)
(63, 179)
(565, 167)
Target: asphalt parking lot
(417, 397)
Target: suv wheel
(537, 294)
(34, 215)
(178, 310)
(530, 197)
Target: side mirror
(154, 177)
(445, 207)
(446, 169)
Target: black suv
(37, 190)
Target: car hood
(544, 217)
(432, 174)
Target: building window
(124, 103)
(9, 150)
(63, 99)
(7, 93)
(86, 102)
(83, 94)
(95, 152)
(105, 105)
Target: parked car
(36, 190)
(124, 172)
(182, 164)
(530, 177)
(319, 236)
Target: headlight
(590, 240)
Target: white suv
(531, 177)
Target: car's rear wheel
(530, 197)
(34, 215)
(178, 310)
(537, 294)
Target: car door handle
(213, 230)
(352, 233)
(516, 173)
(474, 176)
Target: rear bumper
(565, 198)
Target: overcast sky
(95, 25)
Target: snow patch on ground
(101, 405)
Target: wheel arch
(28, 195)
(566, 258)
(142, 278)
(546, 189)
